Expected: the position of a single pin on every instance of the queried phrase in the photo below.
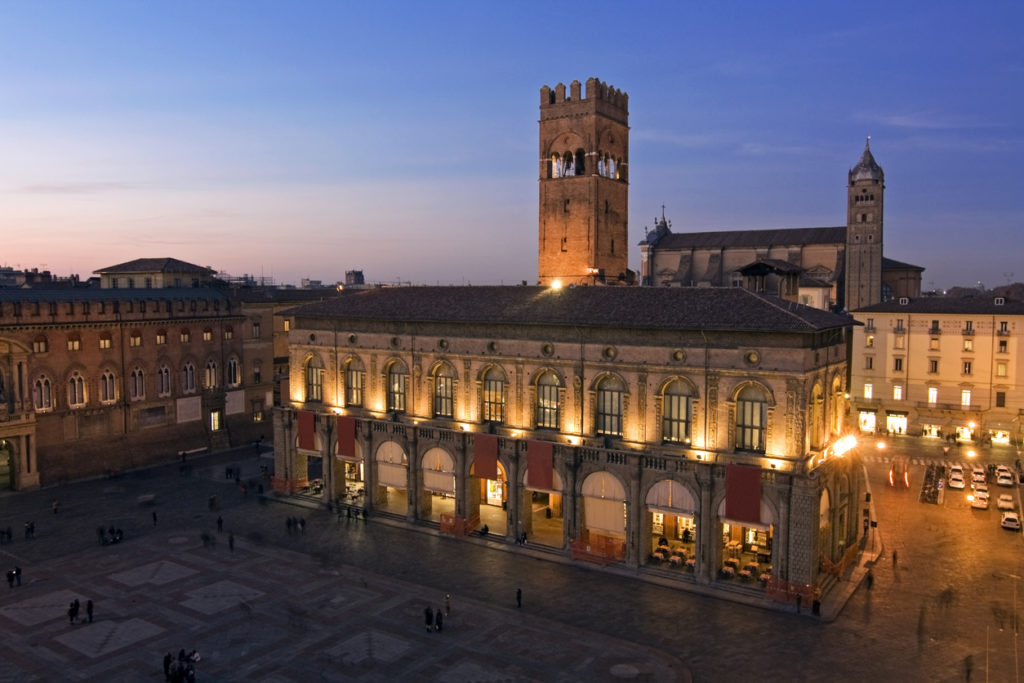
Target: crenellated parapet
(597, 92)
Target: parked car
(956, 469)
(981, 491)
(1004, 479)
(1010, 521)
(979, 502)
(978, 475)
(956, 481)
(1005, 502)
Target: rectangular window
(74, 344)
(287, 325)
(967, 367)
(216, 422)
(933, 366)
(933, 343)
(353, 387)
(161, 338)
(494, 400)
(868, 390)
(105, 342)
(968, 344)
(135, 340)
(207, 335)
(255, 330)
(1004, 327)
(969, 327)
(444, 396)
(676, 422)
(1000, 399)
(185, 336)
(965, 397)
(869, 362)
(609, 412)
(897, 364)
(547, 406)
(257, 411)
(897, 392)
(898, 341)
(750, 425)
(39, 346)
(899, 325)
(229, 333)
(933, 394)
(1001, 370)
(396, 391)
(1002, 346)
(869, 341)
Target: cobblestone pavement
(344, 600)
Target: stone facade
(617, 383)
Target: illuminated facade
(940, 367)
(684, 431)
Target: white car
(1004, 479)
(956, 470)
(981, 491)
(979, 502)
(978, 476)
(956, 481)
(1005, 502)
(1010, 521)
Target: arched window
(136, 385)
(579, 167)
(233, 378)
(314, 379)
(494, 396)
(444, 391)
(107, 387)
(210, 376)
(188, 378)
(397, 379)
(548, 414)
(42, 396)
(609, 406)
(751, 415)
(354, 376)
(677, 405)
(76, 391)
(163, 381)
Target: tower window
(565, 206)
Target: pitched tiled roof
(676, 308)
(154, 265)
(980, 305)
(779, 237)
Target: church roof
(772, 237)
(652, 308)
(893, 264)
(867, 168)
(154, 265)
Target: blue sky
(303, 139)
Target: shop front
(603, 529)
(671, 525)
(867, 421)
(745, 525)
(392, 479)
(437, 495)
(896, 422)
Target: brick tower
(866, 190)
(584, 188)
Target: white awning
(395, 476)
(556, 483)
(439, 482)
(604, 485)
(605, 515)
(671, 496)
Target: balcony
(967, 332)
(899, 330)
(948, 406)
(1002, 333)
(869, 328)
(934, 331)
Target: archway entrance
(6, 464)
(542, 512)
(671, 525)
(746, 547)
(391, 492)
(604, 515)
(437, 496)
(488, 500)
(349, 478)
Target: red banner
(306, 440)
(485, 456)
(539, 465)
(743, 493)
(346, 436)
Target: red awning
(743, 493)
(346, 436)
(306, 440)
(485, 456)
(539, 464)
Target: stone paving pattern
(344, 600)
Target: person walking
(438, 620)
(154, 517)
(88, 610)
(871, 579)
(519, 597)
(17, 575)
(220, 523)
(895, 559)
(447, 604)
(231, 542)
(428, 618)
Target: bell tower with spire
(865, 201)
(584, 188)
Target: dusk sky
(303, 139)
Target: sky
(296, 140)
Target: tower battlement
(595, 91)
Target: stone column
(706, 524)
